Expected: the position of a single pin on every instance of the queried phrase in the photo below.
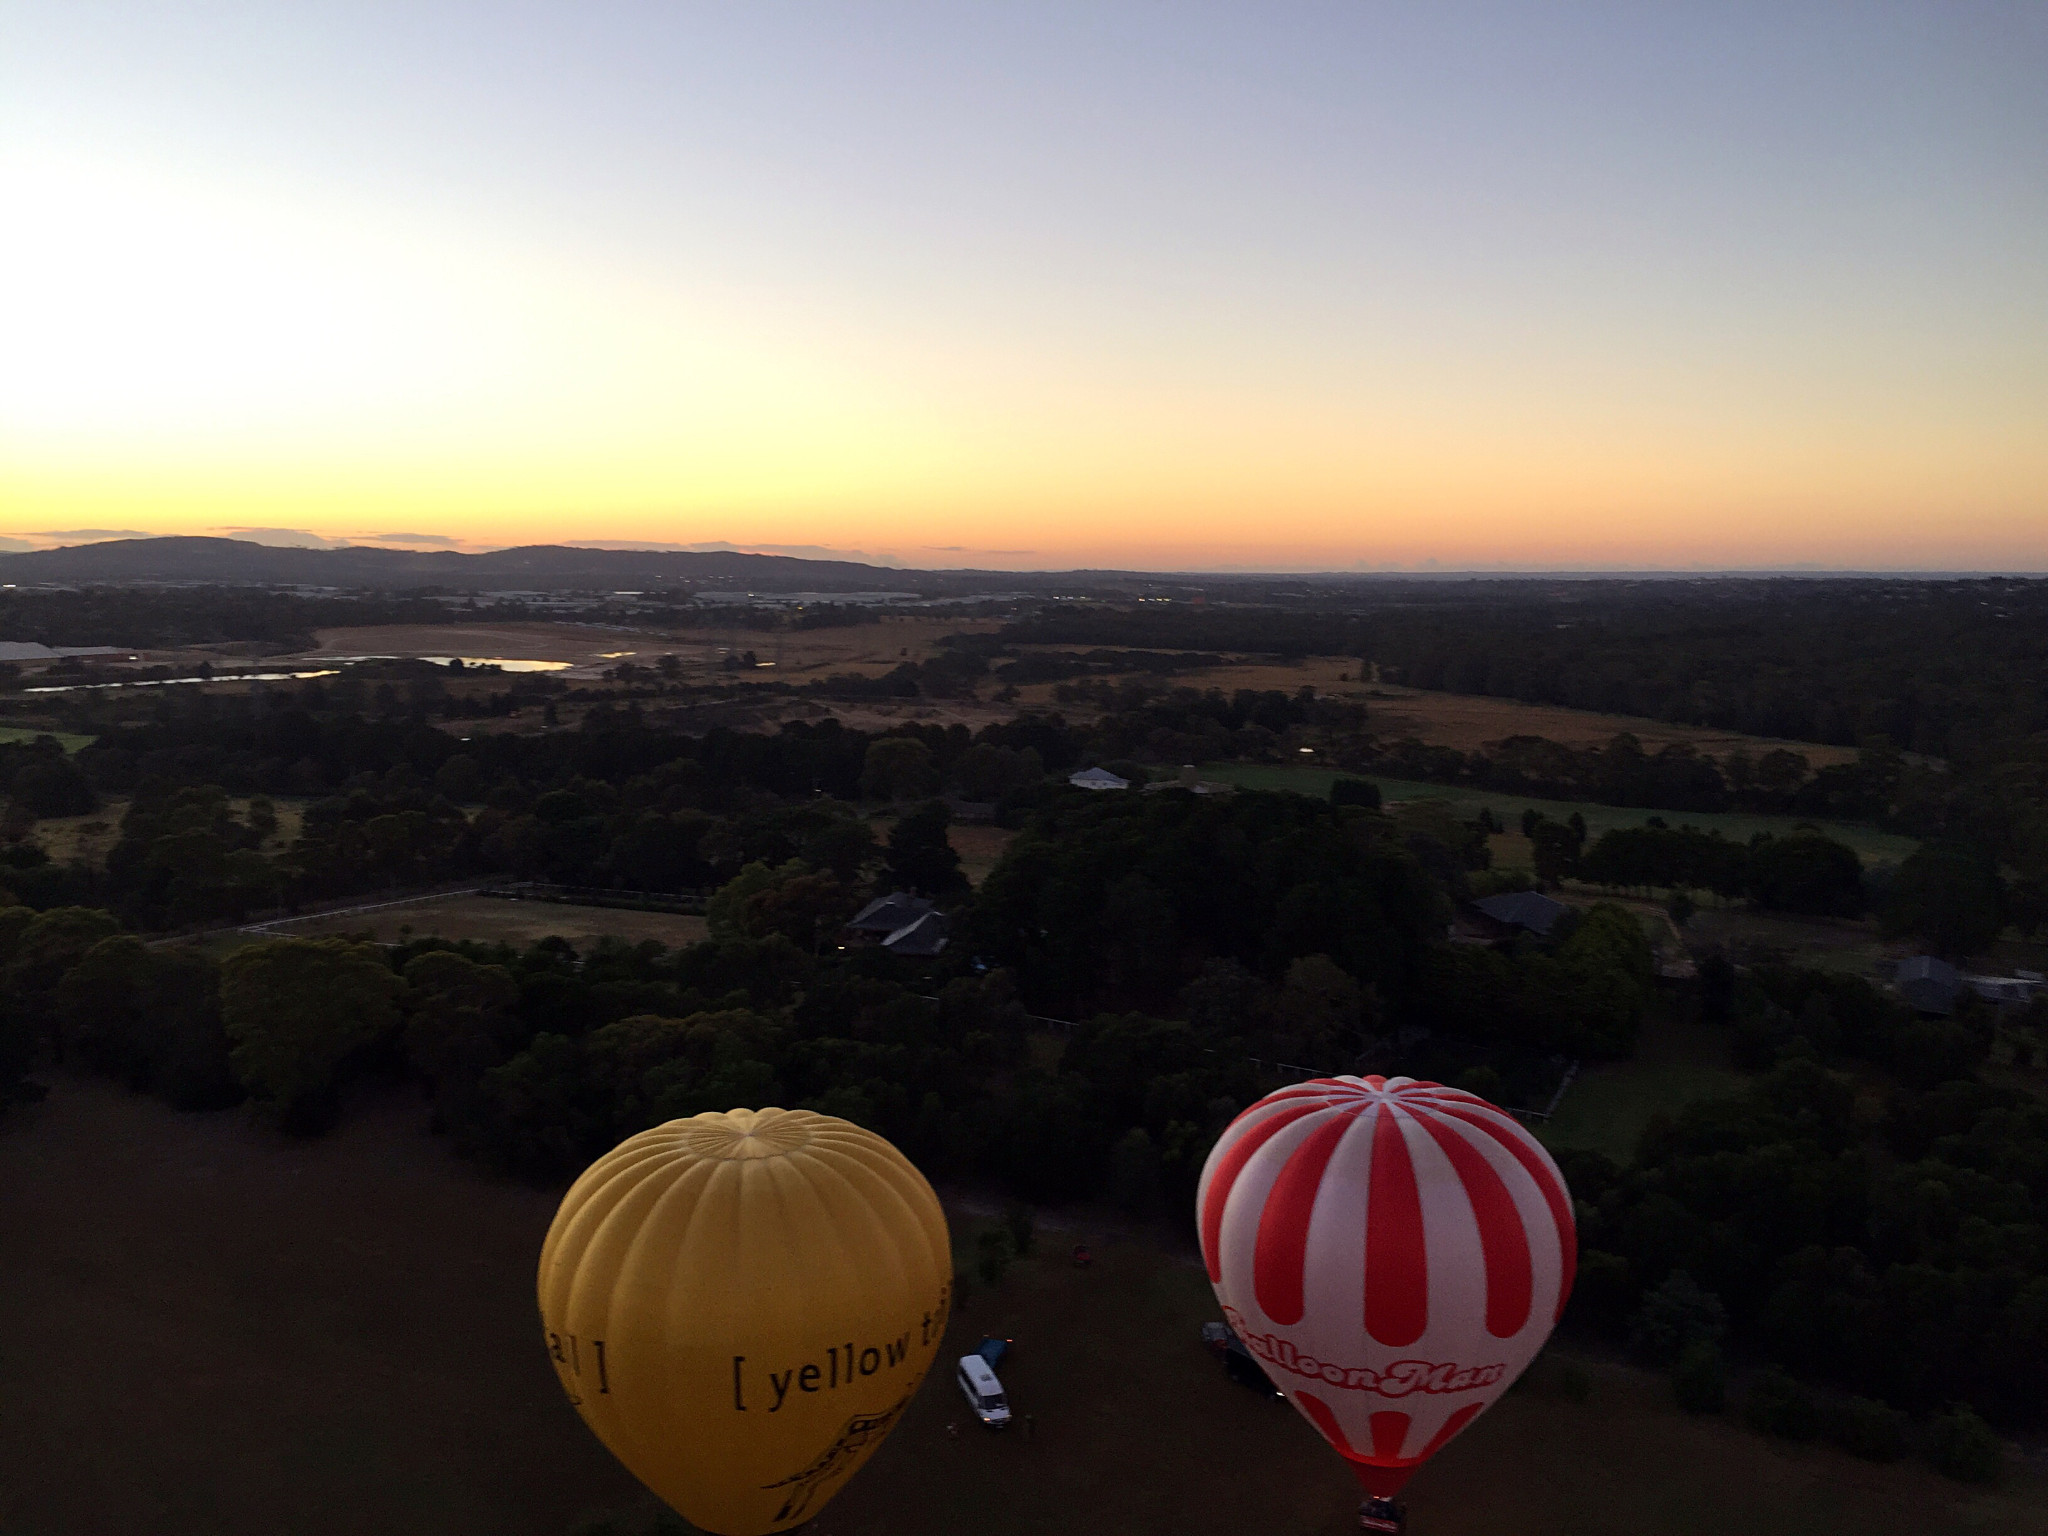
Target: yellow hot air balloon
(741, 1306)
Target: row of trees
(1676, 777)
(1947, 896)
(1804, 872)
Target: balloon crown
(745, 1134)
(1374, 1088)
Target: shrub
(1778, 1405)
(1603, 1289)
(1674, 1317)
(1355, 792)
(1023, 1226)
(1865, 1428)
(1699, 1383)
(295, 1010)
(996, 1248)
(1961, 1445)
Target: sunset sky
(1293, 285)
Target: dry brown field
(495, 919)
(866, 649)
(1467, 722)
(1464, 721)
(215, 1331)
(979, 847)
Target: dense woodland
(1954, 671)
(1121, 985)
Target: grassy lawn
(1674, 1063)
(220, 1332)
(68, 740)
(491, 919)
(1872, 845)
(1822, 943)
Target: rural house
(1097, 778)
(1522, 911)
(901, 923)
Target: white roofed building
(1097, 778)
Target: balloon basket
(1388, 1517)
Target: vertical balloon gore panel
(742, 1305)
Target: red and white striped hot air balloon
(1395, 1252)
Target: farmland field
(1871, 844)
(215, 1331)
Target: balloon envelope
(741, 1305)
(1394, 1252)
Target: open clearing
(1675, 1062)
(496, 919)
(214, 1331)
(1870, 844)
(980, 848)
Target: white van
(983, 1392)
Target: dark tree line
(159, 618)
(1949, 669)
(1891, 1243)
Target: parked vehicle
(1388, 1516)
(1238, 1362)
(983, 1392)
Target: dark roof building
(1097, 778)
(926, 936)
(886, 914)
(1929, 985)
(1531, 911)
(903, 924)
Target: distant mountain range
(563, 567)
(534, 567)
